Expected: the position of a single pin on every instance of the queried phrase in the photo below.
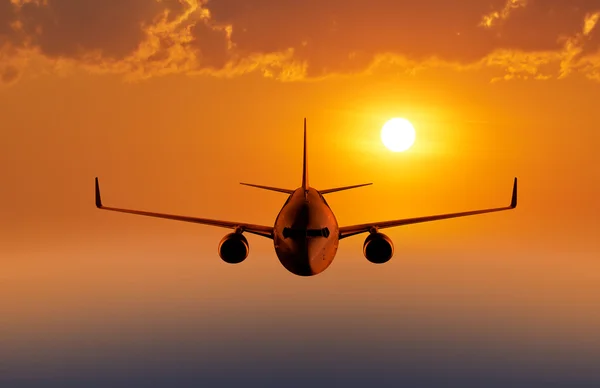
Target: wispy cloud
(590, 22)
(494, 17)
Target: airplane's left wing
(265, 231)
(348, 231)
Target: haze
(173, 103)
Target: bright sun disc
(398, 135)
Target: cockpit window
(308, 233)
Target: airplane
(306, 234)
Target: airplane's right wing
(265, 231)
(348, 231)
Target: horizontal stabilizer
(342, 188)
(280, 190)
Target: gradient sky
(172, 103)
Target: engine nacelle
(378, 248)
(234, 248)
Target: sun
(398, 134)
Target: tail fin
(304, 163)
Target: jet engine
(378, 248)
(234, 248)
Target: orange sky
(172, 103)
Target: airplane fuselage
(306, 233)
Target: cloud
(9, 74)
(291, 40)
(6, 17)
(590, 22)
(494, 17)
(70, 28)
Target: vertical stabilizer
(304, 165)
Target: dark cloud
(345, 35)
(69, 28)
(9, 74)
(315, 37)
(342, 35)
(212, 45)
(543, 25)
(7, 16)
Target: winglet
(98, 199)
(513, 201)
(304, 163)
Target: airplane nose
(305, 256)
(315, 255)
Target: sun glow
(398, 135)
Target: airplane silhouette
(306, 233)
